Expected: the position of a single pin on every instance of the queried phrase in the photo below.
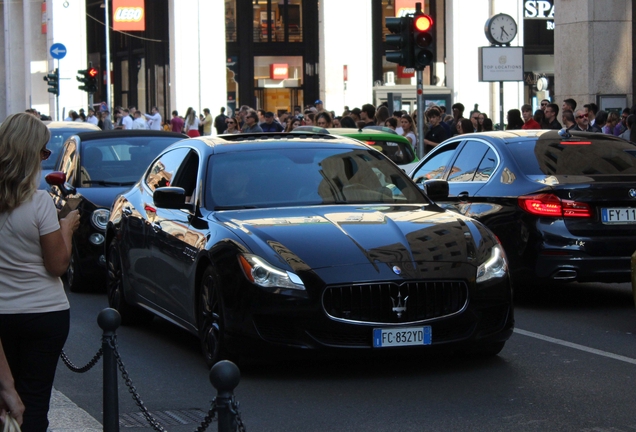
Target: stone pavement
(66, 416)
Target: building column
(593, 50)
(198, 76)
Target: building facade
(281, 55)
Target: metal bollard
(225, 376)
(109, 320)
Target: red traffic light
(92, 72)
(423, 23)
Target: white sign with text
(500, 64)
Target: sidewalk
(66, 416)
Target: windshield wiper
(107, 183)
(234, 207)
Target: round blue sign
(58, 51)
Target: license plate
(618, 215)
(406, 336)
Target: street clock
(501, 29)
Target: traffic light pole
(57, 96)
(501, 102)
(419, 76)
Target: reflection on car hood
(332, 236)
(102, 196)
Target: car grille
(392, 303)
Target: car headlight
(99, 219)
(261, 273)
(495, 266)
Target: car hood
(332, 236)
(101, 196)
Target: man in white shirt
(154, 119)
(139, 122)
(91, 117)
(126, 121)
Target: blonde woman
(34, 252)
(406, 121)
(191, 127)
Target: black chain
(149, 417)
(234, 409)
(85, 368)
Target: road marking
(576, 346)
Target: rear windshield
(399, 152)
(596, 154)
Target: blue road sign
(58, 51)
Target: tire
(211, 319)
(74, 278)
(115, 290)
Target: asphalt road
(570, 366)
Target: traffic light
(401, 40)
(423, 41)
(53, 79)
(88, 79)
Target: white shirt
(154, 121)
(92, 120)
(25, 284)
(140, 123)
(127, 122)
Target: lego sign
(278, 71)
(129, 15)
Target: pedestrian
(458, 114)
(10, 402)
(622, 124)
(367, 115)
(551, 112)
(528, 120)
(293, 124)
(465, 126)
(176, 122)
(251, 123)
(569, 104)
(232, 126)
(107, 124)
(319, 105)
(355, 114)
(219, 122)
(627, 135)
(126, 119)
(610, 125)
(154, 119)
(544, 104)
(349, 122)
(270, 124)
(381, 115)
(336, 122)
(487, 126)
(407, 129)
(207, 122)
(191, 127)
(323, 119)
(514, 120)
(582, 122)
(92, 119)
(139, 122)
(474, 118)
(436, 132)
(391, 123)
(34, 253)
(567, 117)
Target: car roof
(70, 125)
(366, 133)
(86, 136)
(534, 134)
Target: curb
(66, 416)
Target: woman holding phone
(34, 253)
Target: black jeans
(33, 343)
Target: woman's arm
(58, 245)
(9, 399)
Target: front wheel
(211, 318)
(115, 290)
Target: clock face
(501, 29)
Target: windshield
(121, 161)
(289, 177)
(58, 137)
(577, 156)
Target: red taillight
(552, 205)
(370, 143)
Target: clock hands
(503, 31)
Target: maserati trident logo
(399, 306)
(632, 193)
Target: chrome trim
(374, 323)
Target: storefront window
(230, 20)
(284, 23)
(278, 82)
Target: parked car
(562, 203)
(93, 168)
(60, 131)
(305, 241)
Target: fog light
(102, 260)
(96, 239)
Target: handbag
(10, 424)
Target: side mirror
(171, 198)
(436, 189)
(58, 178)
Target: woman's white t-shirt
(25, 284)
(413, 139)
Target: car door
(67, 163)
(145, 221)
(173, 249)
(473, 167)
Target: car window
(121, 161)
(466, 164)
(163, 169)
(186, 175)
(68, 160)
(399, 152)
(598, 154)
(487, 166)
(435, 163)
(307, 176)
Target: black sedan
(60, 131)
(308, 241)
(92, 169)
(563, 204)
